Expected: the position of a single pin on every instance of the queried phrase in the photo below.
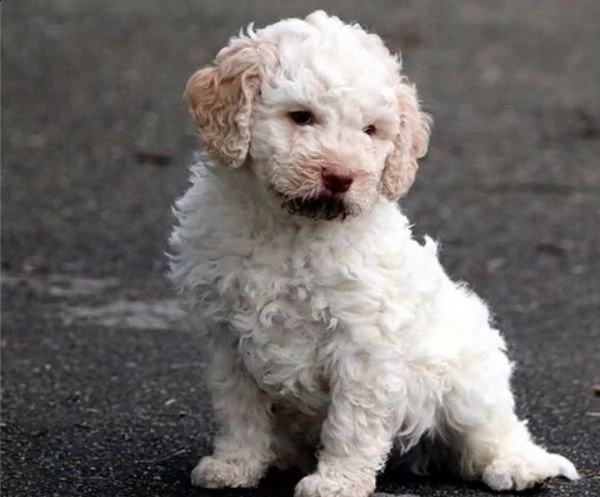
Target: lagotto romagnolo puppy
(332, 336)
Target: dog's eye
(370, 129)
(302, 117)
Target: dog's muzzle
(326, 206)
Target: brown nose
(337, 178)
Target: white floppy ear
(411, 144)
(220, 98)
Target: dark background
(102, 390)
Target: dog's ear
(220, 98)
(410, 144)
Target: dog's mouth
(324, 206)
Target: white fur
(344, 336)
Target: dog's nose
(337, 178)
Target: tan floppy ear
(220, 98)
(410, 144)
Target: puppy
(329, 330)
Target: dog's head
(318, 110)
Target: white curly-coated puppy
(332, 336)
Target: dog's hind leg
(490, 441)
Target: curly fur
(329, 330)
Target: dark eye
(302, 117)
(370, 129)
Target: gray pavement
(102, 387)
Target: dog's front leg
(356, 435)
(242, 451)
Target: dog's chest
(281, 321)
(289, 365)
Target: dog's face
(318, 109)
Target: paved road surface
(102, 388)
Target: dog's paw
(316, 485)
(213, 472)
(518, 471)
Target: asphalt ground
(102, 390)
